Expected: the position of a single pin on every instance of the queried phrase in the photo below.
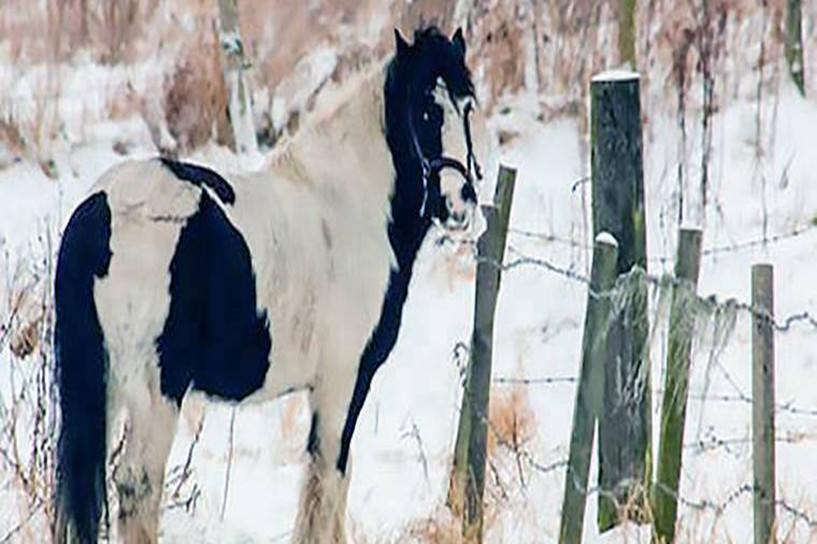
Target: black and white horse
(171, 278)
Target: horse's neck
(344, 151)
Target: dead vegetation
(551, 48)
(195, 96)
(28, 403)
(511, 427)
(12, 142)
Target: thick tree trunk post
(763, 401)
(234, 67)
(676, 384)
(468, 476)
(794, 44)
(626, 32)
(588, 397)
(618, 208)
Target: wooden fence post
(234, 66)
(588, 396)
(794, 44)
(617, 181)
(676, 384)
(468, 474)
(763, 401)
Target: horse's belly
(325, 276)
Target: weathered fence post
(763, 401)
(676, 384)
(588, 396)
(618, 208)
(468, 473)
(234, 66)
(794, 44)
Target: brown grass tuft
(11, 136)
(26, 340)
(512, 421)
(195, 101)
(442, 527)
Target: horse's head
(439, 101)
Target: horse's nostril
(468, 193)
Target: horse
(174, 278)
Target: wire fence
(712, 305)
(525, 457)
(734, 247)
(785, 324)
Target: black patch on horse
(411, 114)
(214, 339)
(313, 440)
(82, 369)
(201, 176)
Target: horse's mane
(348, 120)
(332, 98)
(330, 107)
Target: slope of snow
(403, 444)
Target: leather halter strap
(438, 164)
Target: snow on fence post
(591, 382)
(467, 484)
(617, 181)
(676, 384)
(763, 401)
(234, 66)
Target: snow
(607, 239)
(616, 75)
(404, 439)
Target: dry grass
(567, 41)
(442, 527)
(195, 99)
(28, 406)
(513, 423)
(109, 30)
(11, 136)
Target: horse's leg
(139, 456)
(322, 510)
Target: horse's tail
(81, 369)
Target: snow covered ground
(403, 444)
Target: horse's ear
(458, 40)
(400, 43)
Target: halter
(438, 164)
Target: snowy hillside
(236, 472)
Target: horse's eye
(433, 113)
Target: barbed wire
(664, 281)
(535, 381)
(748, 244)
(551, 238)
(706, 252)
(522, 453)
